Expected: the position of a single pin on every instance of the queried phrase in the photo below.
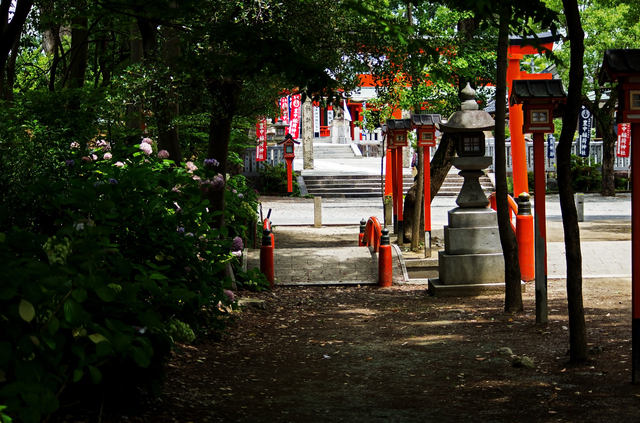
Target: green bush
(273, 180)
(585, 177)
(124, 264)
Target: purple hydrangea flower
(113, 181)
(218, 182)
(230, 295)
(234, 191)
(97, 184)
(236, 253)
(103, 144)
(163, 154)
(211, 162)
(191, 167)
(237, 244)
(146, 148)
(69, 163)
(240, 195)
(180, 230)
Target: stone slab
(472, 217)
(465, 269)
(437, 288)
(484, 240)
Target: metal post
(542, 313)
(400, 190)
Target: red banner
(296, 107)
(261, 133)
(624, 140)
(284, 112)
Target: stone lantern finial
(468, 97)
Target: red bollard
(385, 264)
(266, 257)
(524, 234)
(363, 227)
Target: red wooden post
(266, 257)
(385, 263)
(394, 176)
(400, 190)
(524, 233)
(635, 250)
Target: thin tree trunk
(11, 71)
(441, 163)
(417, 207)
(10, 31)
(577, 326)
(513, 290)
(226, 94)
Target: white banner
(316, 121)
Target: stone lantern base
(472, 262)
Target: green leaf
(121, 341)
(79, 351)
(104, 348)
(53, 326)
(5, 352)
(26, 310)
(49, 402)
(2, 237)
(105, 293)
(151, 286)
(157, 276)
(96, 337)
(29, 415)
(96, 376)
(140, 356)
(224, 231)
(73, 312)
(79, 294)
(7, 293)
(77, 375)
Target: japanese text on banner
(296, 106)
(624, 138)
(584, 132)
(551, 146)
(284, 112)
(261, 133)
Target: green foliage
(585, 177)
(273, 180)
(89, 296)
(253, 280)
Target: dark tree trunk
(513, 289)
(441, 163)
(225, 94)
(11, 71)
(577, 326)
(79, 53)
(10, 31)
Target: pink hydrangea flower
(191, 167)
(146, 148)
(74, 145)
(230, 295)
(94, 157)
(163, 154)
(119, 164)
(108, 156)
(147, 141)
(86, 159)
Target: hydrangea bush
(124, 265)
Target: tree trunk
(11, 71)
(577, 326)
(441, 163)
(417, 207)
(605, 117)
(513, 290)
(226, 94)
(10, 31)
(79, 52)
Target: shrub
(273, 180)
(125, 264)
(585, 177)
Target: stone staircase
(326, 151)
(453, 182)
(348, 186)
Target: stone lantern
(472, 260)
(281, 131)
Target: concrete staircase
(348, 186)
(326, 151)
(453, 182)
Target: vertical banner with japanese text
(365, 131)
(584, 132)
(284, 112)
(551, 146)
(296, 107)
(329, 115)
(624, 140)
(316, 120)
(261, 147)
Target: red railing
(513, 208)
(372, 234)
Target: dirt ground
(368, 354)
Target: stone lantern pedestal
(472, 260)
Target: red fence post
(266, 257)
(524, 234)
(385, 264)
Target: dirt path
(365, 354)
